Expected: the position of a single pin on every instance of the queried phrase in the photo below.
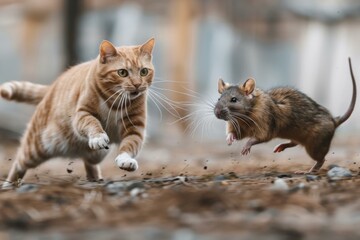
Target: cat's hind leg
(16, 173)
(22, 163)
(93, 172)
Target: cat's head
(127, 68)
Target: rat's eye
(233, 99)
(144, 72)
(123, 72)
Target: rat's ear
(248, 86)
(222, 85)
(106, 50)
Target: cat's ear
(107, 50)
(248, 86)
(148, 46)
(222, 85)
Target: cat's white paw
(230, 138)
(125, 162)
(7, 185)
(99, 141)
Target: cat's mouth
(136, 93)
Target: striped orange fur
(88, 107)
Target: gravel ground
(187, 189)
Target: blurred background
(304, 44)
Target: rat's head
(234, 99)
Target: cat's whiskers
(152, 99)
(175, 91)
(118, 91)
(162, 80)
(196, 123)
(111, 107)
(166, 101)
(201, 118)
(128, 101)
(121, 103)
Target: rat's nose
(217, 112)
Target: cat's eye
(123, 72)
(233, 99)
(144, 72)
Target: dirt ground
(186, 189)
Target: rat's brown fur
(279, 113)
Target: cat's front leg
(130, 146)
(89, 127)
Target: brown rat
(278, 113)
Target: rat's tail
(340, 120)
(26, 92)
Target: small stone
(135, 185)
(280, 185)
(136, 191)
(332, 166)
(27, 188)
(336, 173)
(310, 178)
(219, 178)
(115, 187)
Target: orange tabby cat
(89, 106)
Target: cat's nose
(136, 85)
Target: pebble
(136, 191)
(115, 187)
(336, 173)
(280, 185)
(220, 178)
(25, 188)
(131, 186)
(310, 178)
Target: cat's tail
(26, 92)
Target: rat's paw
(230, 138)
(99, 141)
(125, 162)
(246, 150)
